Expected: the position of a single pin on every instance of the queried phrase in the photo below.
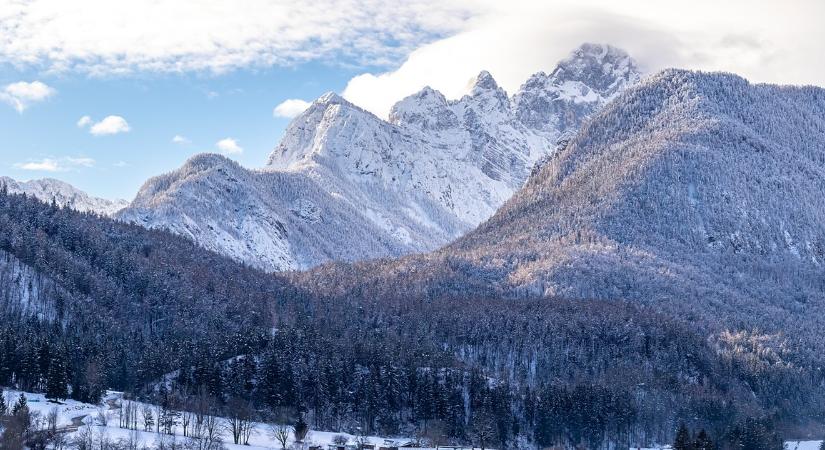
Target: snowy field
(75, 417)
(803, 445)
(789, 445)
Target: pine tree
(683, 441)
(20, 405)
(56, 380)
(300, 429)
(822, 445)
(703, 441)
(4, 408)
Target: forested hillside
(122, 307)
(694, 194)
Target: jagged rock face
(64, 195)
(581, 84)
(432, 172)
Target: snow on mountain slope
(697, 192)
(687, 185)
(64, 194)
(582, 83)
(273, 220)
(375, 188)
(698, 195)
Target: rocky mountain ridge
(364, 187)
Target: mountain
(345, 185)
(97, 304)
(689, 182)
(697, 194)
(64, 194)
(270, 219)
(689, 185)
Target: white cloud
(64, 164)
(110, 125)
(180, 140)
(43, 165)
(290, 108)
(761, 40)
(104, 37)
(121, 164)
(229, 146)
(84, 121)
(22, 94)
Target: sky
(105, 94)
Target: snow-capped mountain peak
(305, 136)
(603, 68)
(586, 80)
(434, 170)
(427, 109)
(64, 195)
(484, 81)
(486, 95)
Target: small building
(391, 444)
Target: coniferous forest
(90, 304)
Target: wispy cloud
(43, 165)
(290, 108)
(22, 94)
(102, 37)
(229, 146)
(64, 164)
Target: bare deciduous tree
(239, 420)
(280, 433)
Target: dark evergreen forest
(90, 304)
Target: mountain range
(659, 262)
(697, 194)
(345, 185)
(63, 194)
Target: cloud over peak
(761, 40)
(229, 146)
(290, 108)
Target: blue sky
(212, 71)
(203, 108)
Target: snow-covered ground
(803, 445)
(76, 417)
(789, 445)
